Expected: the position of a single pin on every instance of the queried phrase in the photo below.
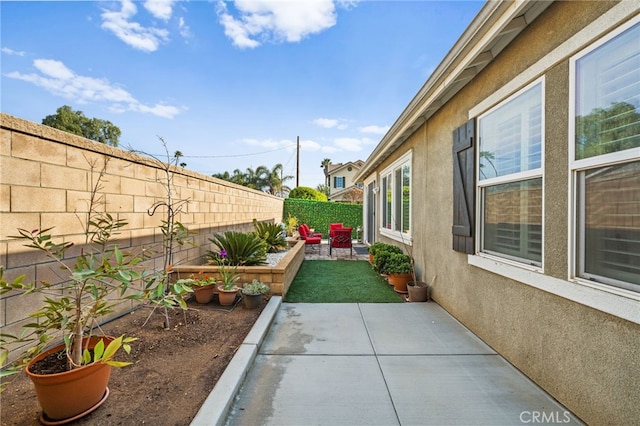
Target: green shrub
(272, 235)
(307, 193)
(398, 263)
(377, 246)
(382, 257)
(241, 249)
(320, 214)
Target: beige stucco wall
(45, 181)
(587, 359)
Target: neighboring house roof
(353, 193)
(334, 168)
(495, 26)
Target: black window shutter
(464, 187)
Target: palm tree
(274, 183)
(325, 164)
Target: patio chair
(333, 226)
(309, 239)
(308, 231)
(341, 238)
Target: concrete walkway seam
(215, 408)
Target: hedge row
(319, 214)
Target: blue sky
(230, 84)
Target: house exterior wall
(45, 180)
(584, 357)
(348, 175)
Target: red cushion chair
(333, 226)
(341, 239)
(308, 231)
(308, 239)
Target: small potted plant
(252, 293)
(203, 286)
(228, 290)
(399, 270)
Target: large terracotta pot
(204, 293)
(418, 291)
(72, 394)
(399, 282)
(227, 297)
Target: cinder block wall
(46, 180)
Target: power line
(231, 155)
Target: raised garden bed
(278, 277)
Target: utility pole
(298, 162)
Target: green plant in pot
(202, 285)
(253, 292)
(71, 378)
(399, 268)
(373, 249)
(227, 290)
(99, 277)
(381, 257)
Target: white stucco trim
(618, 302)
(587, 35)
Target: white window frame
(403, 237)
(515, 177)
(577, 166)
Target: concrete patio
(371, 364)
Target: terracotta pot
(370, 258)
(399, 282)
(204, 293)
(252, 301)
(71, 394)
(227, 297)
(418, 291)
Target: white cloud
(8, 51)
(161, 9)
(185, 31)
(59, 80)
(378, 130)
(147, 39)
(327, 123)
(330, 123)
(275, 20)
(349, 144)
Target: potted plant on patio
(203, 286)
(399, 270)
(253, 292)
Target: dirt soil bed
(174, 370)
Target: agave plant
(272, 234)
(241, 249)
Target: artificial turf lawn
(339, 281)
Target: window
(396, 199)
(510, 177)
(605, 152)
(338, 182)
